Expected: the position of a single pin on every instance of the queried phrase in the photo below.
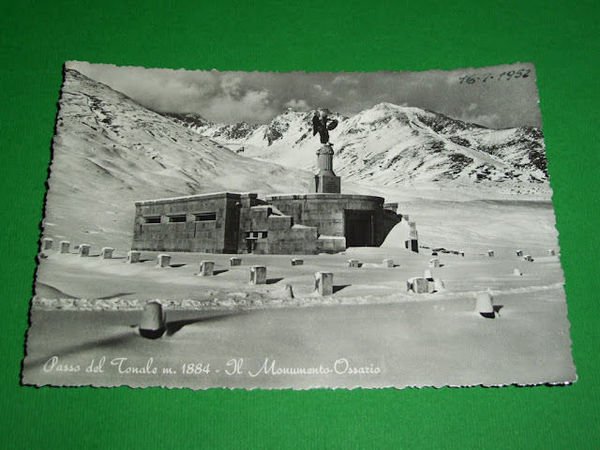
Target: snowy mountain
(389, 144)
(109, 151)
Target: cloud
(471, 113)
(257, 97)
(231, 86)
(252, 106)
(321, 90)
(487, 120)
(344, 80)
(297, 105)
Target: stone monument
(325, 180)
(324, 220)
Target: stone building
(225, 222)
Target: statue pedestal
(325, 181)
(326, 184)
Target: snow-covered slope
(390, 145)
(109, 151)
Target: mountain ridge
(392, 144)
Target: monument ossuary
(322, 221)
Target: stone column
(325, 160)
(418, 285)
(207, 268)
(326, 181)
(434, 262)
(324, 283)
(152, 325)
(65, 247)
(412, 245)
(258, 275)
(485, 305)
(163, 260)
(133, 256)
(413, 234)
(413, 237)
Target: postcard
(298, 230)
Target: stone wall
(298, 240)
(284, 224)
(331, 244)
(198, 223)
(331, 214)
(281, 236)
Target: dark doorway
(358, 228)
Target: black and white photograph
(298, 230)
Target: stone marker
(47, 243)
(388, 262)
(413, 233)
(434, 262)
(235, 261)
(297, 262)
(428, 275)
(462, 253)
(353, 263)
(418, 285)
(289, 292)
(528, 258)
(163, 260)
(437, 286)
(324, 283)
(551, 252)
(484, 305)
(152, 325)
(517, 272)
(519, 252)
(65, 247)
(258, 275)
(107, 252)
(412, 245)
(491, 253)
(206, 268)
(84, 250)
(133, 256)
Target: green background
(561, 38)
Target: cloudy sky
(257, 97)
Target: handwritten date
(488, 77)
